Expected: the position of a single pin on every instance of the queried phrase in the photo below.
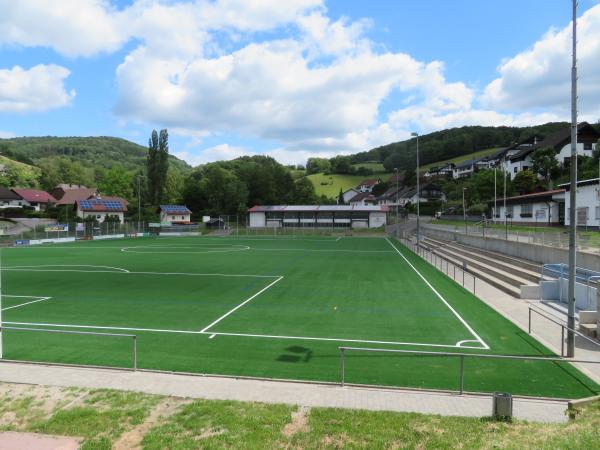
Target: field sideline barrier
(462, 357)
(88, 333)
(563, 328)
(437, 260)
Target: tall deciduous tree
(157, 166)
(118, 182)
(544, 162)
(525, 181)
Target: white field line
(39, 299)
(460, 343)
(339, 237)
(317, 250)
(362, 341)
(115, 269)
(124, 271)
(242, 304)
(458, 316)
(211, 333)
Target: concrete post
(597, 307)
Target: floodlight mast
(416, 135)
(573, 196)
(1, 343)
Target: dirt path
(132, 439)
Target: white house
(540, 208)
(177, 214)
(443, 171)
(9, 199)
(363, 199)
(588, 203)
(102, 207)
(587, 136)
(368, 185)
(317, 216)
(463, 170)
(38, 200)
(349, 194)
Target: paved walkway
(303, 394)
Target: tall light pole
(139, 177)
(573, 195)
(505, 211)
(397, 224)
(464, 210)
(495, 198)
(413, 134)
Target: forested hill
(446, 144)
(90, 152)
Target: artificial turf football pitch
(274, 307)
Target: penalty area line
(38, 299)
(241, 304)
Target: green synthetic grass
(324, 292)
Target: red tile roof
(34, 196)
(73, 195)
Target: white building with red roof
(37, 199)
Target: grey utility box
(502, 408)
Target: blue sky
(292, 79)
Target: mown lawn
(330, 185)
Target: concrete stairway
(501, 271)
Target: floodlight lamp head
(414, 134)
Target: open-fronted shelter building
(318, 216)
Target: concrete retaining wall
(533, 252)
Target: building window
(509, 212)
(527, 210)
(540, 214)
(582, 216)
(587, 145)
(515, 169)
(597, 212)
(172, 217)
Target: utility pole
(464, 210)
(418, 191)
(573, 195)
(495, 198)
(397, 224)
(505, 212)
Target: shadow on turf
(298, 350)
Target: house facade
(443, 171)
(9, 199)
(368, 185)
(588, 203)
(539, 209)
(349, 194)
(175, 214)
(38, 200)
(100, 208)
(317, 216)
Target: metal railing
(444, 265)
(85, 333)
(559, 272)
(563, 328)
(461, 356)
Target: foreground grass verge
(113, 419)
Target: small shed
(177, 214)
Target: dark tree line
(230, 187)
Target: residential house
(175, 214)
(463, 169)
(444, 171)
(363, 199)
(390, 197)
(9, 199)
(538, 208)
(101, 207)
(38, 200)
(69, 194)
(368, 185)
(348, 194)
(588, 203)
(428, 192)
(560, 141)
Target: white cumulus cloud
(39, 88)
(539, 77)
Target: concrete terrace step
(497, 278)
(508, 288)
(489, 266)
(518, 268)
